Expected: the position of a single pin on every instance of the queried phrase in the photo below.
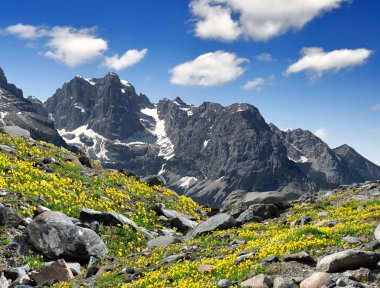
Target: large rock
(239, 201)
(348, 260)
(316, 280)
(9, 217)
(163, 241)
(217, 222)
(3, 282)
(258, 213)
(57, 271)
(111, 219)
(259, 281)
(54, 235)
(15, 131)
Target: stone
(377, 233)
(270, 259)
(282, 282)
(302, 257)
(323, 214)
(238, 201)
(351, 240)
(259, 281)
(258, 213)
(154, 180)
(163, 241)
(7, 149)
(14, 273)
(54, 235)
(103, 270)
(217, 222)
(316, 280)
(224, 283)
(174, 258)
(57, 271)
(3, 192)
(3, 282)
(73, 159)
(373, 245)
(41, 209)
(15, 131)
(9, 217)
(244, 257)
(348, 260)
(21, 281)
(360, 275)
(204, 268)
(111, 219)
(85, 161)
(300, 222)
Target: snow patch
(163, 141)
(99, 141)
(205, 143)
(91, 81)
(122, 90)
(186, 182)
(79, 107)
(125, 83)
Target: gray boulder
(15, 131)
(284, 282)
(3, 282)
(217, 222)
(111, 219)
(9, 217)
(348, 260)
(163, 241)
(239, 201)
(258, 213)
(54, 235)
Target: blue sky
(333, 89)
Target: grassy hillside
(69, 188)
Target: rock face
(18, 111)
(239, 201)
(54, 235)
(348, 260)
(217, 222)
(204, 152)
(325, 166)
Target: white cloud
(264, 57)
(129, 58)
(254, 84)
(25, 31)
(322, 133)
(376, 107)
(210, 69)
(74, 47)
(260, 20)
(316, 61)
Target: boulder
(7, 149)
(3, 282)
(85, 161)
(302, 257)
(72, 159)
(54, 235)
(111, 219)
(224, 283)
(258, 213)
(217, 222)
(282, 282)
(174, 258)
(239, 201)
(15, 131)
(154, 180)
(14, 273)
(259, 281)
(9, 217)
(205, 268)
(163, 241)
(57, 271)
(348, 260)
(316, 280)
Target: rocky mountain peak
(11, 88)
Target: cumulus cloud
(129, 58)
(316, 61)
(25, 31)
(264, 57)
(74, 47)
(376, 107)
(322, 133)
(260, 20)
(210, 69)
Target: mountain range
(204, 152)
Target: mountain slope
(18, 111)
(365, 168)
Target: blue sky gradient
(342, 102)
